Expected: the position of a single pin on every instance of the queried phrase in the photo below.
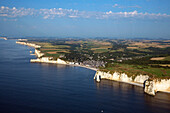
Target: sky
(85, 18)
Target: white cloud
(115, 5)
(110, 12)
(2, 7)
(120, 6)
(14, 8)
(13, 12)
(73, 16)
(70, 13)
(135, 14)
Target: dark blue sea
(50, 88)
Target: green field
(133, 70)
(167, 58)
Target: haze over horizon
(85, 18)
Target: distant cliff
(38, 53)
(28, 44)
(3, 38)
(48, 60)
(151, 86)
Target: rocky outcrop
(155, 85)
(38, 53)
(150, 86)
(3, 38)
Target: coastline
(3, 38)
(94, 69)
(54, 62)
(38, 54)
(151, 87)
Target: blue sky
(85, 18)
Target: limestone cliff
(38, 53)
(121, 77)
(28, 44)
(48, 60)
(150, 86)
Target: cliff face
(48, 60)
(141, 78)
(121, 77)
(38, 53)
(28, 44)
(150, 86)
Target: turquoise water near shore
(51, 88)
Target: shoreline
(94, 69)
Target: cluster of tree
(117, 45)
(145, 61)
(159, 51)
(159, 66)
(75, 56)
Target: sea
(54, 88)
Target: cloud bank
(70, 13)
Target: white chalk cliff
(150, 86)
(28, 44)
(121, 77)
(38, 53)
(48, 60)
